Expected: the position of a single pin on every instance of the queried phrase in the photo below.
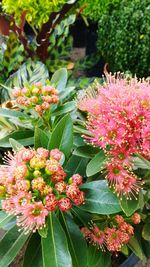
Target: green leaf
(55, 248)
(76, 165)
(101, 184)
(141, 163)
(135, 247)
(146, 231)
(82, 215)
(59, 79)
(8, 113)
(43, 232)
(40, 138)
(93, 256)
(33, 253)
(129, 206)
(16, 146)
(10, 245)
(101, 201)
(24, 137)
(105, 259)
(31, 72)
(4, 218)
(67, 92)
(86, 151)
(96, 164)
(125, 250)
(76, 242)
(62, 135)
(66, 108)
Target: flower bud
(64, 204)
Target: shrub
(37, 12)
(124, 37)
(95, 8)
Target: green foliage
(10, 245)
(96, 164)
(134, 245)
(94, 9)
(55, 250)
(127, 47)
(37, 12)
(100, 201)
(61, 44)
(33, 253)
(11, 56)
(129, 206)
(30, 71)
(64, 133)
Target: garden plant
(75, 163)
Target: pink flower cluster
(36, 96)
(119, 120)
(32, 184)
(111, 238)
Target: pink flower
(33, 217)
(32, 184)
(119, 117)
(129, 186)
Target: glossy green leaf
(23, 137)
(76, 165)
(101, 184)
(105, 259)
(83, 216)
(141, 162)
(9, 113)
(129, 206)
(96, 164)
(146, 248)
(146, 232)
(86, 151)
(43, 232)
(135, 247)
(67, 92)
(15, 145)
(33, 253)
(100, 201)
(66, 108)
(76, 242)
(40, 138)
(59, 79)
(62, 135)
(55, 248)
(10, 245)
(93, 256)
(4, 218)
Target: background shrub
(93, 9)
(124, 37)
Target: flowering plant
(80, 193)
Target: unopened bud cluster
(32, 184)
(36, 96)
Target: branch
(47, 29)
